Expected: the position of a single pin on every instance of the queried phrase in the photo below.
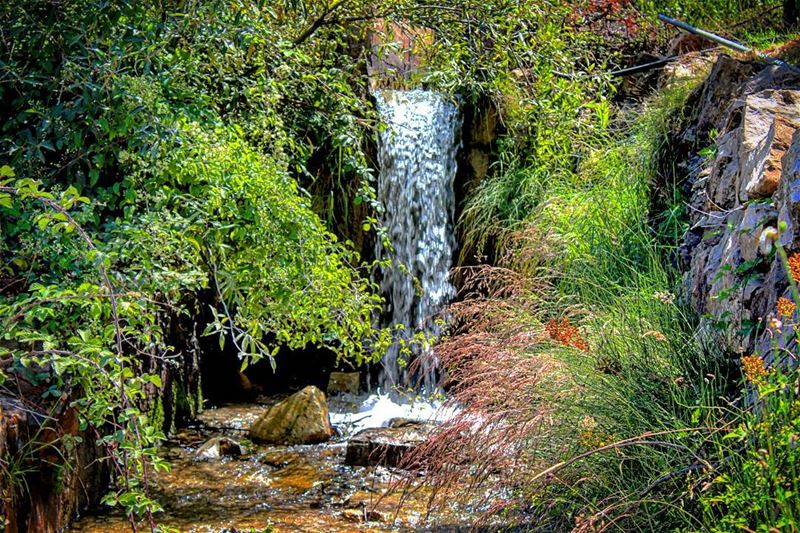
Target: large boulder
(302, 418)
(386, 446)
(768, 122)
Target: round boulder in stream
(302, 418)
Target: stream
(302, 488)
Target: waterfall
(417, 158)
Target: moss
(186, 404)
(198, 405)
(156, 414)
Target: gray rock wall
(750, 116)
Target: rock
(362, 515)
(402, 422)
(756, 217)
(344, 382)
(756, 134)
(713, 98)
(787, 198)
(58, 482)
(278, 459)
(393, 56)
(386, 446)
(302, 418)
(753, 182)
(247, 389)
(689, 66)
(684, 43)
(722, 184)
(217, 447)
(768, 122)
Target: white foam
(378, 409)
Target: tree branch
(317, 24)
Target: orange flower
(657, 335)
(565, 333)
(794, 265)
(785, 306)
(755, 371)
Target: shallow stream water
(304, 488)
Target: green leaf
(94, 176)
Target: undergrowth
(589, 402)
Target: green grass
(676, 444)
(657, 435)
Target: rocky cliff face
(747, 117)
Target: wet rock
(393, 56)
(344, 382)
(403, 422)
(217, 447)
(386, 446)
(302, 418)
(278, 459)
(362, 515)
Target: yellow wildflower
(785, 307)
(794, 265)
(754, 369)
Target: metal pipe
(739, 47)
(703, 33)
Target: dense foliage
(155, 160)
(150, 155)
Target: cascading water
(417, 157)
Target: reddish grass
(497, 374)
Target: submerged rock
(344, 382)
(386, 446)
(217, 447)
(302, 418)
(278, 459)
(363, 515)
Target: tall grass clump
(588, 402)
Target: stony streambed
(289, 488)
